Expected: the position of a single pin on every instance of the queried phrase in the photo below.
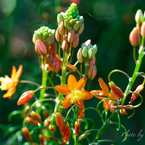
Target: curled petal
(72, 82)
(62, 89)
(103, 86)
(66, 102)
(19, 71)
(13, 74)
(81, 83)
(10, 92)
(80, 104)
(99, 94)
(87, 95)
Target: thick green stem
(86, 68)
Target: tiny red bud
(65, 45)
(116, 90)
(31, 121)
(134, 37)
(71, 36)
(36, 116)
(57, 35)
(77, 127)
(75, 42)
(26, 133)
(25, 97)
(61, 28)
(53, 49)
(92, 71)
(80, 56)
(71, 68)
(59, 121)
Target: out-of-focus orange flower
(11, 83)
(74, 92)
(104, 93)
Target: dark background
(107, 23)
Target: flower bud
(31, 121)
(127, 107)
(71, 36)
(81, 29)
(53, 49)
(76, 26)
(41, 139)
(134, 37)
(134, 96)
(123, 112)
(79, 56)
(61, 28)
(91, 53)
(65, 45)
(143, 29)
(66, 24)
(40, 47)
(59, 121)
(77, 127)
(45, 114)
(66, 133)
(95, 48)
(81, 114)
(34, 38)
(93, 61)
(72, 22)
(60, 18)
(88, 42)
(85, 52)
(71, 68)
(75, 42)
(57, 35)
(116, 90)
(138, 16)
(25, 97)
(26, 111)
(52, 128)
(26, 133)
(50, 39)
(92, 71)
(36, 116)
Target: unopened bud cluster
(70, 26)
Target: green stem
(86, 68)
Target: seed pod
(75, 42)
(59, 121)
(116, 90)
(26, 133)
(134, 37)
(77, 127)
(134, 95)
(36, 116)
(31, 121)
(92, 71)
(25, 97)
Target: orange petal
(66, 102)
(99, 94)
(81, 83)
(105, 105)
(113, 96)
(72, 82)
(80, 104)
(62, 89)
(19, 72)
(103, 86)
(13, 74)
(10, 92)
(87, 95)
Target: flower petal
(13, 74)
(81, 83)
(105, 105)
(66, 102)
(103, 86)
(87, 95)
(19, 71)
(10, 92)
(62, 89)
(99, 94)
(71, 82)
(80, 104)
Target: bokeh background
(107, 23)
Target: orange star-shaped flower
(104, 93)
(74, 92)
(10, 83)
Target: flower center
(75, 95)
(5, 83)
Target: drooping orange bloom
(104, 93)
(10, 83)
(74, 92)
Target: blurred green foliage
(107, 23)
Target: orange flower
(104, 93)
(74, 92)
(10, 83)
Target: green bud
(95, 48)
(72, 22)
(60, 18)
(85, 52)
(83, 45)
(76, 26)
(66, 23)
(89, 46)
(91, 53)
(138, 16)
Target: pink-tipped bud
(36, 116)
(26, 133)
(71, 36)
(65, 45)
(80, 56)
(75, 42)
(77, 127)
(134, 95)
(31, 121)
(59, 121)
(25, 97)
(40, 48)
(134, 37)
(71, 68)
(81, 29)
(116, 90)
(143, 29)
(61, 28)
(92, 71)
(53, 49)
(57, 35)
(93, 61)
(88, 42)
